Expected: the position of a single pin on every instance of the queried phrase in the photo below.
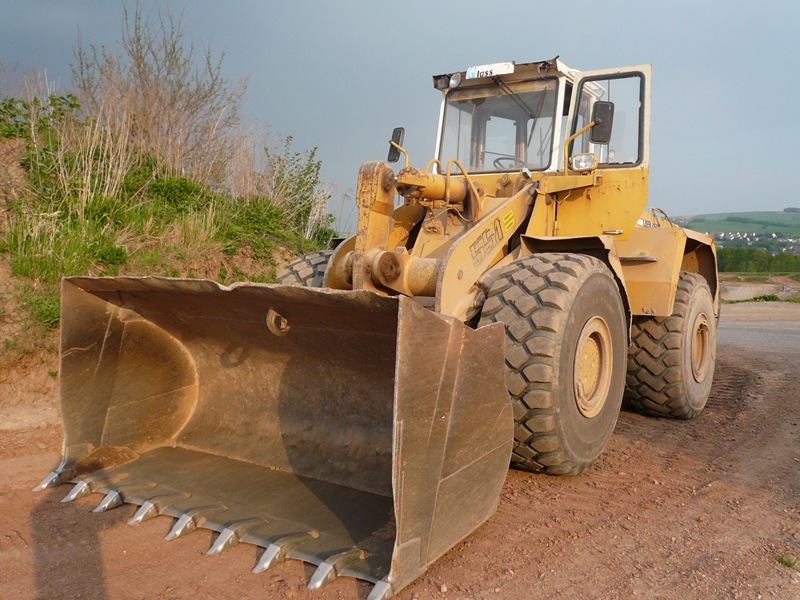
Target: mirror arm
(401, 149)
(569, 141)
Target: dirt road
(698, 509)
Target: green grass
(787, 562)
(43, 305)
(150, 174)
(764, 298)
(36, 322)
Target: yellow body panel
(651, 260)
(612, 203)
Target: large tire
(308, 271)
(565, 357)
(671, 359)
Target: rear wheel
(307, 271)
(671, 359)
(565, 357)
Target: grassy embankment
(142, 168)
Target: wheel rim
(592, 374)
(701, 348)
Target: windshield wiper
(504, 87)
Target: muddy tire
(671, 359)
(566, 341)
(307, 271)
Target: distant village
(769, 252)
(771, 238)
(774, 242)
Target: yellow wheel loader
(493, 307)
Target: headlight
(583, 162)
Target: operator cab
(506, 117)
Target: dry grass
(143, 168)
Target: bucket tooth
(81, 489)
(146, 511)
(185, 524)
(331, 566)
(153, 507)
(225, 540)
(324, 574)
(276, 552)
(51, 481)
(203, 514)
(272, 556)
(111, 500)
(381, 591)
(232, 535)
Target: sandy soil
(697, 509)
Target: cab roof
(507, 71)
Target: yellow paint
(651, 260)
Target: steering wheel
(507, 162)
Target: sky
(339, 76)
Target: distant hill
(785, 223)
(775, 231)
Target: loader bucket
(361, 433)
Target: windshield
(502, 127)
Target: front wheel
(671, 359)
(565, 357)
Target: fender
(601, 247)
(700, 256)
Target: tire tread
(531, 297)
(306, 271)
(654, 381)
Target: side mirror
(603, 117)
(397, 138)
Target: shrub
(184, 110)
(112, 255)
(43, 306)
(177, 195)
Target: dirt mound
(737, 287)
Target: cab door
(613, 205)
(628, 88)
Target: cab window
(626, 93)
(502, 127)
